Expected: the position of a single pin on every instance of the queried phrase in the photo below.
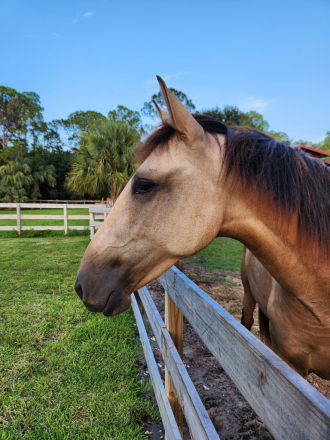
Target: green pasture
(223, 253)
(65, 373)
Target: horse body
(198, 181)
(299, 326)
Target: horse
(199, 180)
(258, 285)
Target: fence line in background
(65, 217)
(96, 212)
(68, 201)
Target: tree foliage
(15, 177)
(149, 108)
(44, 173)
(129, 117)
(19, 112)
(232, 116)
(325, 145)
(42, 158)
(77, 123)
(102, 164)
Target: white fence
(65, 217)
(93, 211)
(84, 202)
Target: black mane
(295, 182)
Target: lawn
(223, 253)
(65, 373)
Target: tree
(45, 173)
(149, 109)
(325, 145)
(280, 136)
(102, 164)
(18, 113)
(233, 116)
(129, 117)
(78, 123)
(15, 177)
(256, 120)
(58, 159)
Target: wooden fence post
(18, 212)
(174, 324)
(65, 215)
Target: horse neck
(254, 221)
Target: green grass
(223, 253)
(65, 373)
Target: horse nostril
(78, 289)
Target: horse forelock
(294, 182)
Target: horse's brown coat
(191, 202)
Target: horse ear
(163, 115)
(179, 116)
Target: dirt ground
(231, 415)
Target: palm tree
(45, 173)
(102, 165)
(15, 176)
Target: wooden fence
(286, 403)
(65, 217)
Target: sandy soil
(231, 415)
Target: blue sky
(269, 56)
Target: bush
(31, 233)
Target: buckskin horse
(199, 180)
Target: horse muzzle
(109, 295)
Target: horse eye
(143, 187)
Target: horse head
(168, 210)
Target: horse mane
(295, 182)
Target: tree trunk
(4, 143)
(35, 189)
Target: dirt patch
(231, 415)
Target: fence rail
(65, 216)
(96, 212)
(286, 403)
(68, 201)
(93, 210)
